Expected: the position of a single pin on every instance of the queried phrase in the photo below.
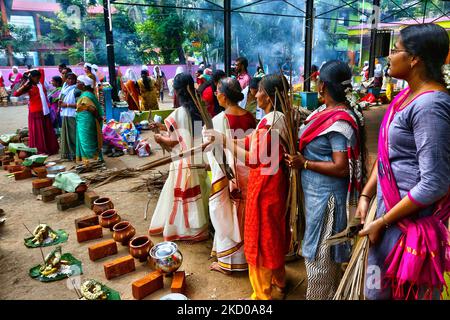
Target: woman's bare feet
(215, 267)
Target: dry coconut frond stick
(352, 283)
(174, 157)
(206, 117)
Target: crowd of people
(246, 196)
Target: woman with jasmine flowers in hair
(332, 156)
(265, 234)
(411, 177)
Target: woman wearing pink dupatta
(410, 244)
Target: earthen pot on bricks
(123, 232)
(140, 247)
(102, 204)
(23, 155)
(109, 218)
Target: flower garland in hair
(446, 73)
(352, 98)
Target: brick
(15, 168)
(89, 198)
(178, 282)
(49, 193)
(22, 175)
(42, 183)
(67, 198)
(119, 267)
(67, 206)
(147, 285)
(102, 249)
(35, 191)
(89, 233)
(6, 163)
(50, 190)
(41, 172)
(86, 221)
(81, 189)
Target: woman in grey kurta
(418, 150)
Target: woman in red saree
(411, 178)
(41, 133)
(265, 236)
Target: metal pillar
(375, 18)
(227, 36)
(110, 49)
(309, 34)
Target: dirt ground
(22, 207)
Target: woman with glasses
(227, 199)
(411, 177)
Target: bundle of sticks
(153, 183)
(99, 179)
(207, 120)
(351, 286)
(295, 208)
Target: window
(24, 21)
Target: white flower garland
(352, 98)
(446, 73)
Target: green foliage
(20, 39)
(163, 29)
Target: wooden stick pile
(351, 286)
(295, 207)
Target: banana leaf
(445, 292)
(75, 269)
(14, 147)
(61, 237)
(38, 159)
(110, 293)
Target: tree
(163, 29)
(20, 39)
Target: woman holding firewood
(331, 157)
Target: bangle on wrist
(384, 221)
(305, 165)
(365, 195)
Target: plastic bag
(143, 148)
(127, 116)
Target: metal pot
(166, 257)
(56, 169)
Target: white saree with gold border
(226, 211)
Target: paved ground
(22, 207)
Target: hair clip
(346, 82)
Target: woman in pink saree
(410, 243)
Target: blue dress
(318, 189)
(419, 152)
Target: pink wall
(169, 70)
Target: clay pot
(102, 204)
(109, 218)
(123, 232)
(23, 155)
(140, 247)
